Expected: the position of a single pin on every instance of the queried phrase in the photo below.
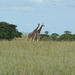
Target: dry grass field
(22, 57)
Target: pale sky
(57, 15)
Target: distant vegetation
(67, 36)
(8, 31)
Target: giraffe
(33, 34)
(38, 32)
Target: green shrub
(67, 37)
(44, 37)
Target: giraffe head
(38, 24)
(43, 25)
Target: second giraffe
(38, 32)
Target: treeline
(8, 31)
(66, 36)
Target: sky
(57, 15)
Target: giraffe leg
(37, 37)
(33, 38)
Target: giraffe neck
(39, 29)
(36, 29)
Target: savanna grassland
(22, 57)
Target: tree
(55, 34)
(67, 32)
(46, 32)
(8, 31)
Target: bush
(44, 37)
(53, 37)
(67, 37)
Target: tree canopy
(46, 32)
(8, 31)
(67, 32)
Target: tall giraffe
(38, 32)
(33, 34)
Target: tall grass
(22, 57)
